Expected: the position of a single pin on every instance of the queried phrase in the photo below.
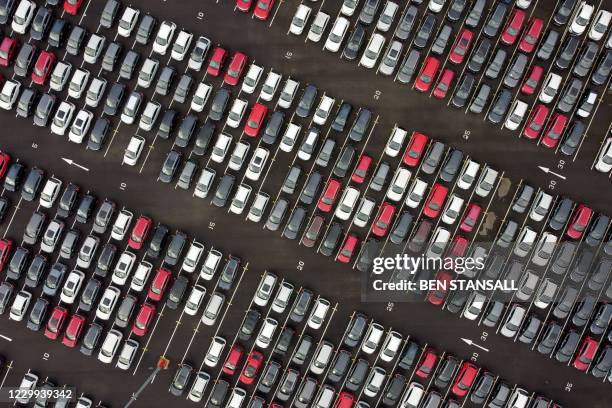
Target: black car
(568, 51)
(602, 319)
(69, 244)
(58, 32)
(277, 214)
(32, 184)
(568, 346)
(98, 134)
(597, 231)
(75, 40)
(186, 130)
(181, 379)
(219, 104)
(175, 248)
(114, 98)
(111, 56)
(5, 204)
(85, 208)
(54, 279)
(500, 107)
(177, 291)
(548, 45)
(405, 24)
(479, 56)
(44, 109)
(90, 294)
(447, 372)
(7, 7)
(344, 161)
(203, 138)
(584, 309)
(369, 251)
(561, 214)
(288, 384)
(550, 337)
(40, 24)
(482, 388)
(36, 270)
(564, 11)
(248, 325)
(425, 31)
(354, 43)
(294, 223)
(229, 273)
(357, 375)
(273, 128)
(603, 363)
(586, 59)
(105, 260)
(38, 314)
(6, 293)
(307, 101)
(342, 116)
(496, 20)
(311, 188)
(158, 240)
(26, 102)
(331, 240)
(91, 339)
(301, 306)
(339, 366)
(360, 126)
(602, 72)
(224, 189)
(145, 29)
(515, 72)
(17, 263)
(570, 96)
(401, 228)
(269, 377)
(167, 124)
(171, 164)
(284, 340)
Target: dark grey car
(24, 60)
(568, 99)
(568, 51)
(182, 89)
(360, 126)
(187, 174)
(98, 134)
(111, 56)
(481, 99)
(409, 67)
(331, 240)
(497, 64)
(368, 11)
(175, 248)
(548, 45)
(516, 70)
(44, 109)
(479, 56)
(433, 158)
(40, 24)
(277, 214)
(32, 184)
(38, 314)
(441, 41)
(462, 94)
(475, 14)
(219, 104)
(203, 138)
(311, 188)
(186, 130)
(496, 20)
(164, 82)
(564, 11)
(344, 161)
(425, 31)
(406, 22)
(500, 107)
(307, 101)
(75, 40)
(145, 29)
(167, 123)
(171, 164)
(224, 190)
(586, 59)
(355, 42)
(177, 291)
(342, 116)
(109, 13)
(114, 99)
(7, 8)
(294, 223)
(273, 128)
(602, 72)
(26, 101)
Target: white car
(347, 203)
(220, 148)
(251, 78)
(9, 94)
(258, 207)
(438, 243)
(550, 88)
(78, 83)
(195, 300)
(72, 286)
(194, 253)
(308, 145)
(318, 27)
(149, 116)
(523, 4)
(164, 37)
(62, 118)
(600, 25)
(436, 5)
(200, 97)
(323, 110)
(270, 86)
(28, 383)
(133, 150)
(372, 51)
(123, 268)
(257, 164)
(215, 350)
(468, 175)
(386, 17)
(349, 7)
(474, 305)
(416, 193)
(95, 92)
(581, 18)
(127, 354)
(318, 314)
(336, 35)
(289, 138)
(452, 210)
(198, 54)
(372, 338)
(181, 45)
(266, 333)
(147, 72)
(210, 264)
(265, 289)
(87, 252)
(23, 16)
(516, 115)
(20, 305)
(396, 141)
(391, 346)
(241, 150)
(141, 276)
(80, 126)
(541, 205)
(298, 22)
(94, 48)
(364, 212)
(110, 346)
(50, 192)
(604, 159)
(236, 113)
(128, 21)
(196, 393)
(240, 199)
(60, 76)
(107, 304)
(398, 185)
(121, 225)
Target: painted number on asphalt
(390, 306)
(377, 95)
(484, 336)
(300, 266)
(34, 145)
(200, 15)
(474, 357)
(568, 386)
(46, 356)
(289, 55)
(211, 225)
(466, 134)
(552, 184)
(122, 186)
(561, 164)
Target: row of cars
(41, 393)
(367, 368)
(102, 284)
(474, 64)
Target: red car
(233, 359)
(43, 67)
(73, 331)
(329, 196)
(435, 200)
(72, 6)
(263, 9)
(465, 379)
(587, 352)
(6, 245)
(458, 247)
(217, 61)
(415, 149)
(255, 120)
(427, 363)
(436, 297)
(56, 322)
(536, 122)
(383, 221)
(139, 232)
(348, 249)
(429, 71)
(532, 35)
(462, 46)
(244, 5)
(345, 400)
(252, 367)
(362, 168)
(554, 130)
(533, 80)
(234, 71)
(472, 213)
(159, 284)
(444, 83)
(143, 319)
(8, 49)
(513, 28)
(582, 215)
(5, 160)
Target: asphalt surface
(268, 251)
